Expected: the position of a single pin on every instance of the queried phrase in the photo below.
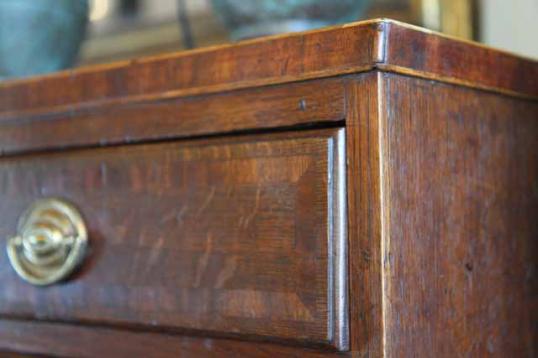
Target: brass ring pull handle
(51, 242)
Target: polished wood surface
(38, 338)
(217, 185)
(442, 233)
(364, 207)
(301, 104)
(459, 205)
(363, 46)
(242, 236)
(409, 50)
(280, 59)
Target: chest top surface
(375, 44)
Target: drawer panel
(242, 236)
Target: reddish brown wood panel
(239, 237)
(328, 52)
(423, 53)
(461, 203)
(320, 53)
(78, 341)
(307, 103)
(364, 205)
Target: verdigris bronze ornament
(39, 36)
(254, 18)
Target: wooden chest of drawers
(364, 190)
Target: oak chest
(363, 190)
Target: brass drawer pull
(51, 242)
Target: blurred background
(124, 29)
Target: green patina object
(251, 18)
(39, 36)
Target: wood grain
(364, 205)
(421, 53)
(79, 341)
(353, 48)
(461, 205)
(272, 60)
(242, 236)
(301, 104)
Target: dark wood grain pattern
(364, 205)
(461, 207)
(279, 59)
(353, 48)
(308, 103)
(243, 236)
(76, 341)
(411, 50)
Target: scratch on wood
(251, 216)
(207, 201)
(204, 259)
(227, 272)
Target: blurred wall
(511, 25)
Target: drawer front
(242, 236)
